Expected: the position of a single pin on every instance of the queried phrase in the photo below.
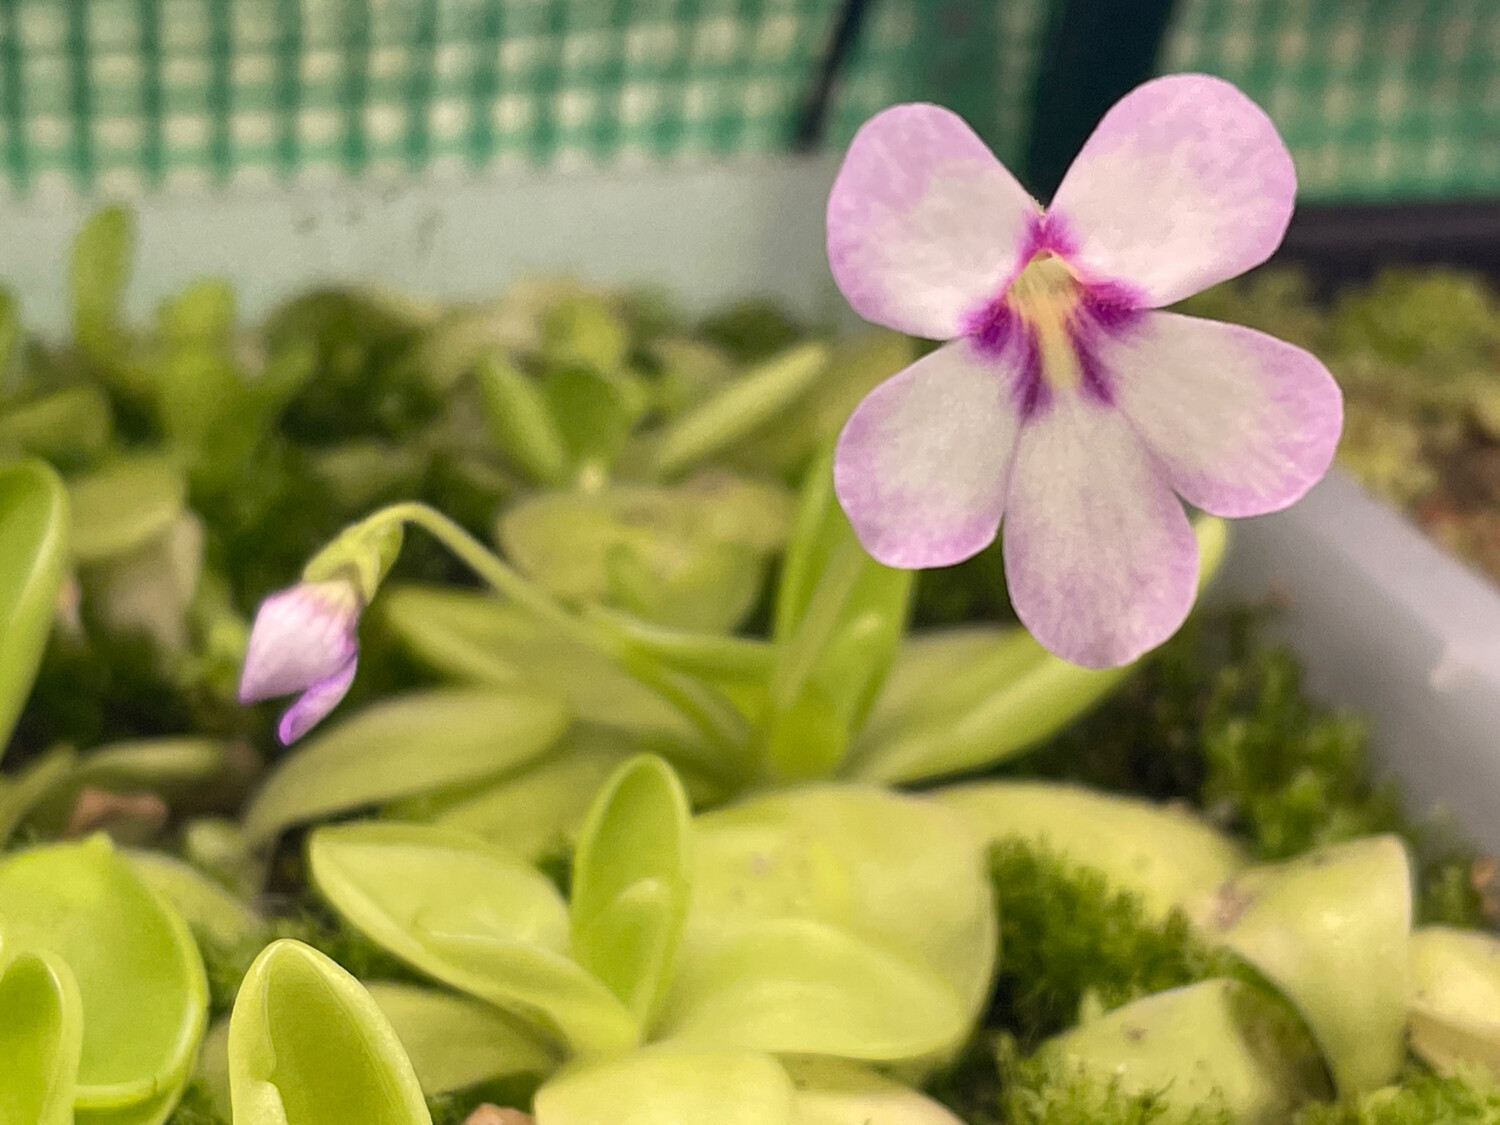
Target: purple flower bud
(304, 640)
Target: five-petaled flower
(304, 640)
(1064, 400)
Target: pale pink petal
(1242, 423)
(300, 636)
(1099, 556)
(313, 705)
(922, 462)
(925, 226)
(1185, 183)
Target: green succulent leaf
(542, 805)
(837, 1092)
(41, 1040)
(145, 998)
(1455, 999)
(169, 767)
(308, 1046)
(594, 410)
(414, 744)
(481, 639)
(123, 506)
(34, 527)
(670, 1083)
(98, 272)
(1331, 930)
(210, 911)
(690, 556)
(903, 873)
(630, 883)
(738, 409)
(798, 986)
(66, 426)
(839, 619)
(520, 421)
(1211, 1044)
(1167, 857)
(21, 793)
(454, 1042)
(472, 916)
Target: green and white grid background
(1378, 99)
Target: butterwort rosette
(304, 640)
(1065, 402)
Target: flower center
(1045, 298)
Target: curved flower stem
(714, 716)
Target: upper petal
(1099, 556)
(301, 635)
(1183, 184)
(922, 462)
(924, 224)
(313, 705)
(1241, 422)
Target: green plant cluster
(657, 799)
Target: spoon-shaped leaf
(454, 1042)
(415, 744)
(902, 872)
(472, 916)
(1331, 930)
(740, 407)
(836, 1092)
(795, 986)
(1165, 856)
(124, 506)
(308, 1046)
(839, 618)
(211, 912)
(145, 998)
(955, 703)
(670, 1083)
(542, 805)
(41, 1038)
(34, 533)
(98, 269)
(65, 426)
(1455, 998)
(630, 882)
(1218, 1042)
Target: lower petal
(1099, 555)
(1242, 423)
(922, 463)
(313, 705)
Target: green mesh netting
(1378, 98)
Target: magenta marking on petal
(313, 706)
(1032, 392)
(1094, 377)
(990, 327)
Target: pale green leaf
(837, 1092)
(34, 528)
(308, 1046)
(207, 908)
(472, 916)
(454, 1042)
(519, 420)
(630, 882)
(1455, 998)
(1330, 929)
(41, 1039)
(404, 746)
(1166, 856)
(1211, 1044)
(124, 506)
(901, 872)
(67, 425)
(145, 998)
(670, 1084)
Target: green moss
(1221, 719)
(1419, 1098)
(1066, 935)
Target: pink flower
(304, 640)
(1064, 401)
